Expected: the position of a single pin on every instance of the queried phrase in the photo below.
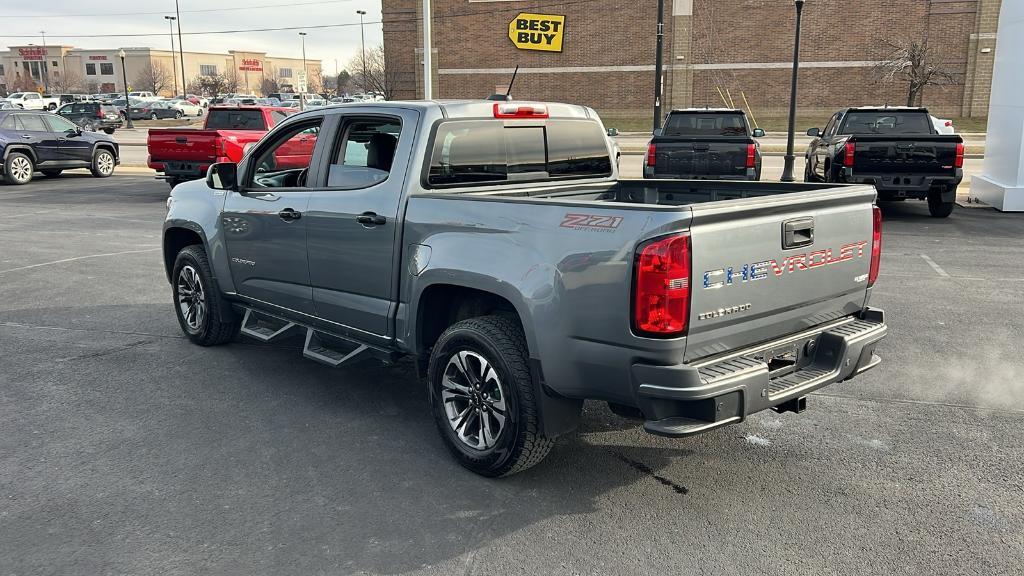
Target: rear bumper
(688, 399)
(181, 169)
(902, 185)
(748, 174)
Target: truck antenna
(513, 81)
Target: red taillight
(99, 112)
(876, 245)
(662, 298)
(959, 163)
(848, 152)
(652, 155)
(751, 155)
(512, 110)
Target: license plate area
(788, 358)
(181, 168)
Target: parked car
(268, 102)
(943, 125)
(92, 116)
(705, 144)
(5, 105)
(198, 100)
(154, 110)
(185, 154)
(143, 95)
(187, 108)
(241, 101)
(68, 98)
(33, 101)
(896, 149)
(494, 243)
(34, 140)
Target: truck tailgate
(924, 155)
(765, 267)
(709, 158)
(191, 145)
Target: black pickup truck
(896, 149)
(704, 144)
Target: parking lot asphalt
(124, 449)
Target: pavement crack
(645, 469)
(101, 353)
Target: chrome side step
(264, 328)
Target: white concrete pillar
(1002, 183)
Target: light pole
(174, 72)
(657, 64)
(787, 170)
(362, 36)
(127, 101)
(44, 69)
(428, 88)
(181, 48)
(302, 93)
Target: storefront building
(59, 68)
(714, 52)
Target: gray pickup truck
(494, 243)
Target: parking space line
(78, 258)
(938, 269)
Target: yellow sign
(537, 32)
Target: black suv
(92, 116)
(33, 140)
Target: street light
(43, 70)
(174, 72)
(660, 39)
(302, 93)
(181, 48)
(362, 36)
(127, 101)
(787, 170)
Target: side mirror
(758, 132)
(613, 132)
(657, 131)
(223, 176)
(814, 132)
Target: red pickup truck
(185, 154)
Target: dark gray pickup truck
(705, 144)
(494, 243)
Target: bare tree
(24, 83)
(915, 63)
(153, 77)
(69, 82)
(213, 85)
(372, 75)
(269, 86)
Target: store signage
(537, 31)
(251, 65)
(32, 53)
(97, 57)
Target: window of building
(285, 72)
(1, 69)
(90, 69)
(207, 70)
(107, 69)
(53, 63)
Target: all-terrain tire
(500, 341)
(936, 207)
(220, 324)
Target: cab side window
(284, 163)
(365, 153)
(830, 128)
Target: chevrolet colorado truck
(704, 144)
(494, 244)
(896, 149)
(182, 154)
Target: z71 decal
(591, 222)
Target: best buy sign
(537, 32)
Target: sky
(64, 21)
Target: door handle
(370, 219)
(288, 214)
(26, 135)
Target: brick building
(738, 47)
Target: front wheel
(202, 314)
(102, 163)
(483, 397)
(153, 116)
(936, 207)
(178, 115)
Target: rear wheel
(88, 126)
(102, 163)
(51, 107)
(482, 396)
(18, 168)
(108, 130)
(205, 317)
(52, 173)
(153, 116)
(936, 207)
(178, 115)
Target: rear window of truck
(886, 122)
(467, 152)
(704, 124)
(236, 120)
